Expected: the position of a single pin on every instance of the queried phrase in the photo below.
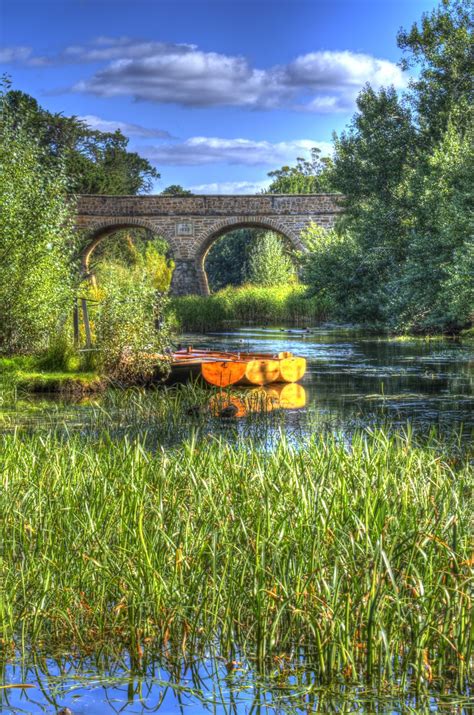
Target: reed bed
(246, 304)
(358, 558)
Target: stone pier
(191, 224)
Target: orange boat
(222, 369)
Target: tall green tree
(269, 263)
(441, 52)
(36, 242)
(405, 167)
(94, 162)
(308, 176)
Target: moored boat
(222, 369)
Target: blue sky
(215, 93)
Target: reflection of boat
(263, 399)
(224, 368)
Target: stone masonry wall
(191, 224)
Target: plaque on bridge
(185, 228)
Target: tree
(436, 288)
(94, 162)
(404, 166)
(176, 190)
(36, 242)
(307, 177)
(228, 256)
(268, 263)
(372, 160)
(440, 49)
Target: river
(353, 380)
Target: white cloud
(106, 49)
(342, 69)
(135, 130)
(172, 73)
(230, 187)
(13, 55)
(197, 151)
(189, 78)
(319, 82)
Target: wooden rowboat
(222, 369)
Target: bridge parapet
(191, 224)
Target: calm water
(364, 380)
(353, 380)
(198, 686)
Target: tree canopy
(176, 190)
(405, 166)
(93, 162)
(308, 176)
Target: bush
(268, 263)
(35, 243)
(131, 336)
(59, 353)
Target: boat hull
(222, 369)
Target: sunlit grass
(358, 557)
(246, 304)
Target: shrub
(130, 334)
(35, 243)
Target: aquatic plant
(273, 305)
(357, 557)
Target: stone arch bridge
(190, 224)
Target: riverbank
(358, 558)
(27, 374)
(277, 305)
(244, 305)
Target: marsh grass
(246, 304)
(357, 559)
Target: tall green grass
(248, 304)
(358, 557)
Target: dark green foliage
(94, 162)
(227, 258)
(307, 177)
(404, 256)
(176, 190)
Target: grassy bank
(248, 304)
(359, 556)
(28, 374)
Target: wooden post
(87, 327)
(75, 320)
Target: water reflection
(361, 379)
(107, 685)
(258, 400)
(353, 381)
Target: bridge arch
(220, 228)
(191, 224)
(99, 231)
